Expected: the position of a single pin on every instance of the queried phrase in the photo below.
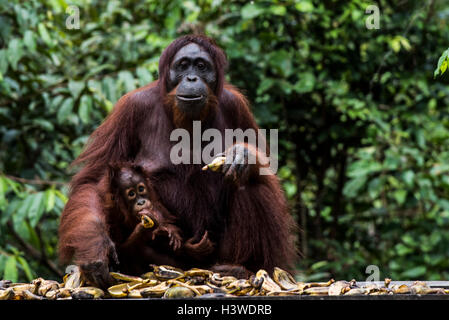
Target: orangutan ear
(109, 200)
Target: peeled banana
(216, 164)
(147, 222)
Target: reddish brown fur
(165, 223)
(119, 202)
(162, 218)
(179, 119)
(250, 224)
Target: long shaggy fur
(250, 224)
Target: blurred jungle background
(362, 113)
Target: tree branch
(34, 181)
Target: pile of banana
(169, 282)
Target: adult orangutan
(244, 213)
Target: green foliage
(442, 63)
(362, 121)
(29, 219)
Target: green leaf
(403, 250)
(290, 189)
(420, 138)
(144, 76)
(414, 273)
(409, 241)
(50, 197)
(250, 11)
(408, 177)
(44, 124)
(306, 83)
(65, 110)
(85, 108)
(75, 88)
(281, 62)
(304, 6)
(395, 45)
(98, 69)
(11, 272)
(2, 263)
(10, 209)
(33, 238)
(15, 52)
(26, 268)
(61, 196)
(278, 10)
(3, 61)
(405, 43)
(36, 209)
(353, 186)
(15, 186)
(375, 186)
(3, 189)
(22, 211)
(363, 168)
(442, 59)
(265, 85)
(400, 196)
(28, 40)
(45, 36)
(128, 80)
(110, 89)
(319, 265)
(443, 67)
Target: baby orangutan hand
(173, 233)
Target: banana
(125, 277)
(87, 293)
(27, 295)
(119, 290)
(215, 165)
(147, 222)
(74, 280)
(64, 293)
(6, 294)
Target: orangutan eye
(131, 194)
(141, 189)
(201, 66)
(183, 65)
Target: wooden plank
(432, 284)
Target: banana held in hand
(147, 222)
(215, 164)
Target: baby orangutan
(141, 205)
(135, 199)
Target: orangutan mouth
(189, 97)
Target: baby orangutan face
(135, 192)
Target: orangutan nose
(192, 78)
(141, 202)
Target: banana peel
(215, 165)
(147, 222)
